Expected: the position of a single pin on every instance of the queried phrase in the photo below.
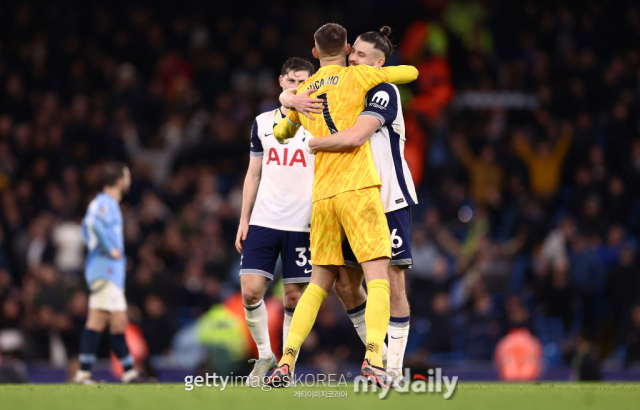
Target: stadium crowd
(528, 216)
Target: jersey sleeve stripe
(295, 124)
(256, 144)
(394, 139)
(373, 114)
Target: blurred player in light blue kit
(102, 231)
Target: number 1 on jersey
(327, 114)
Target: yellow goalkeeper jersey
(343, 90)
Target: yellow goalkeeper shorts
(359, 216)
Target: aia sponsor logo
(286, 158)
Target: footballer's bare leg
(253, 288)
(398, 332)
(399, 301)
(351, 292)
(97, 320)
(349, 287)
(291, 295)
(324, 276)
(377, 314)
(322, 280)
(118, 321)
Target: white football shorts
(106, 295)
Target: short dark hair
(380, 40)
(331, 39)
(297, 64)
(112, 172)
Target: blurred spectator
(545, 163)
(556, 244)
(517, 315)
(485, 174)
(556, 294)
(586, 362)
(440, 333)
(158, 326)
(69, 247)
(623, 289)
(484, 327)
(633, 337)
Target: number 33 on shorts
(302, 258)
(303, 261)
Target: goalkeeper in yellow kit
(346, 199)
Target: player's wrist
(293, 102)
(283, 141)
(286, 102)
(285, 99)
(308, 138)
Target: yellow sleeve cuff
(285, 130)
(401, 74)
(295, 124)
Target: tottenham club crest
(380, 100)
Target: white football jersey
(387, 147)
(284, 196)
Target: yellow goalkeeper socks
(302, 322)
(376, 318)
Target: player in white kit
(275, 220)
(382, 123)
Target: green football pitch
(469, 396)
